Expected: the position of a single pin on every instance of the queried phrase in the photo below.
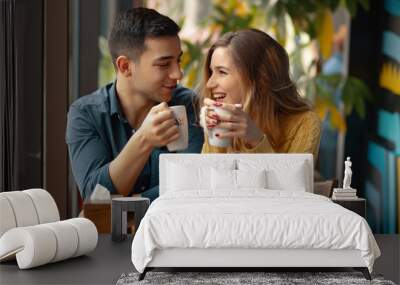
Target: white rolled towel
(23, 208)
(33, 246)
(7, 218)
(26, 208)
(87, 235)
(40, 244)
(46, 207)
(67, 240)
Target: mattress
(250, 219)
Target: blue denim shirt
(97, 131)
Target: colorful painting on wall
(382, 188)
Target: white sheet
(252, 218)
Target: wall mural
(382, 188)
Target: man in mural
(116, 134)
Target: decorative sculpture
(347, 174)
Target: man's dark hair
(131, 28)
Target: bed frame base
(363, 270)
(143, 274)
(239, 260)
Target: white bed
(242, 210)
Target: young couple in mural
(246, 103)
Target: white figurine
(347, 174)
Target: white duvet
(253, 218)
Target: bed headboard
(210, 159)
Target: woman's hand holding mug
(228, 121)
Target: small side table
(99, 212)
(356, 205)
(119, 209)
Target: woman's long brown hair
(264, 66)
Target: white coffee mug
(212, 138)
(181, 120)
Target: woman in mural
(249, 103)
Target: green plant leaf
(352, 7)
(361, 88)
(333, 4)
(310, 91)
(359, 106)
(354, 94)
(364, 4)
(220, 12)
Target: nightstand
(357, 205)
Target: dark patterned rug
(229, 278)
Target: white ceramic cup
(181, 119)
(212, 138)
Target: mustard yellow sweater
(302, 133)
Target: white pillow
(293, 180)
(236, 179)
(289, 175)
(251, 178)
(223, 179)
(193, 176)
(182, 177)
